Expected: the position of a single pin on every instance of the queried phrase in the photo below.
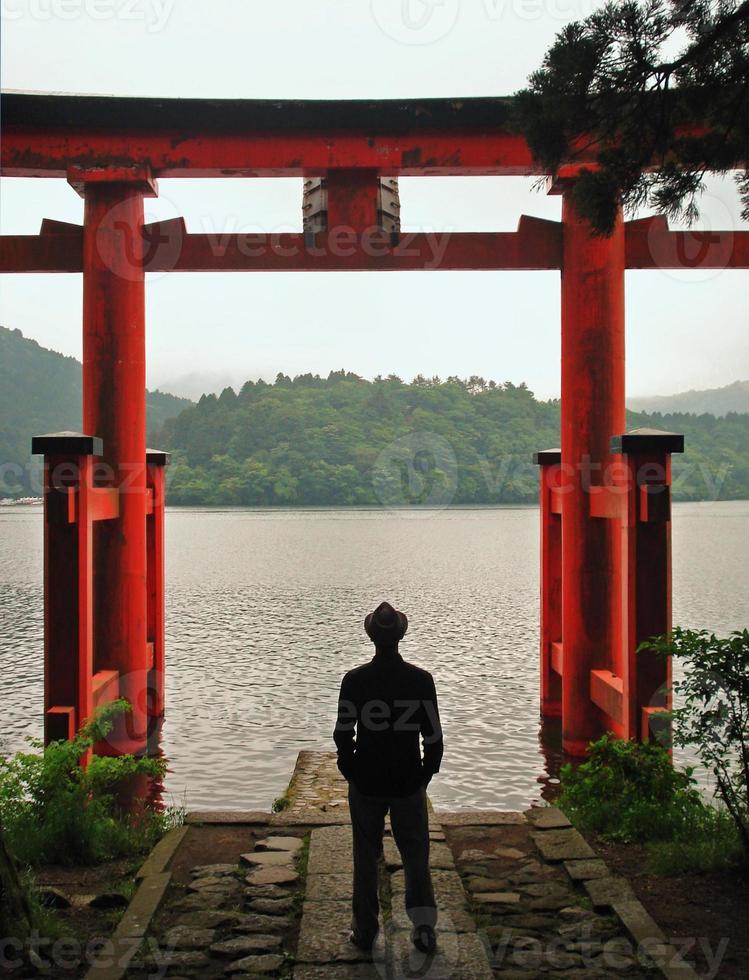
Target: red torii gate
(605, 496)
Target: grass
(710, 844)
(281, 803)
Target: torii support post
(645, 529)
(72, 505)
(114, 408)
(551, 582)
(157, 462)
(592, 411)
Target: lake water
(265, 611)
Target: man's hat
(385, 624)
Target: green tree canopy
(657, 92)
(343, 440)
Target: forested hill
(718, 401)
(344, 440)
(40, 391)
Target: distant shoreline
(365, 508)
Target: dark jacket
(383, 708)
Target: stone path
(524, 881)
(323, 949)
(316, 784)
(519, 896)
(231, 919)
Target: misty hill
(343, 440)
(40, 391)
(714, 401)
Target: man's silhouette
(383, 708)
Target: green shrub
(630, 791)
(714, 712)
(55, 811)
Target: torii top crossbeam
(260, 138)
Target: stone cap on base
(157, 457)
(66, 444)
(645, 441)
(548, 457)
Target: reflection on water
(265, 612)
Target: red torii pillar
(114, 409)
(593, 410)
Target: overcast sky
(683, 330)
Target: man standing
(383, 708)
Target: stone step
(323, 949)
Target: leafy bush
(714, 712)
(629, 791)
(54, 810)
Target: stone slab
(498, 898)
(214, 870)
(272, 843)
(586, 869)
(213, 883)
(247, 945)
(162, 853)
(479, 818)
(330, 851)
(324, 932)
(229, 817)
(179, 961)
(391, 854)
(272, 876)
(340, 971)
(255, 922)
(449, 920)
(208, 919)
(263, 964)
(440, 856)
(189, 937)
(200, 901)
(671, 964)
(460, 956)
(271, 906)
(481, 883)
(604, 893)
(268, 859)
(144, 905)
(329, 888)
(509, 853)
(448, 889)
(640, 925)
(547, 818)
(562, 845)
(311, 817)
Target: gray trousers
(410, 824)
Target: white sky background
(683, 330)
